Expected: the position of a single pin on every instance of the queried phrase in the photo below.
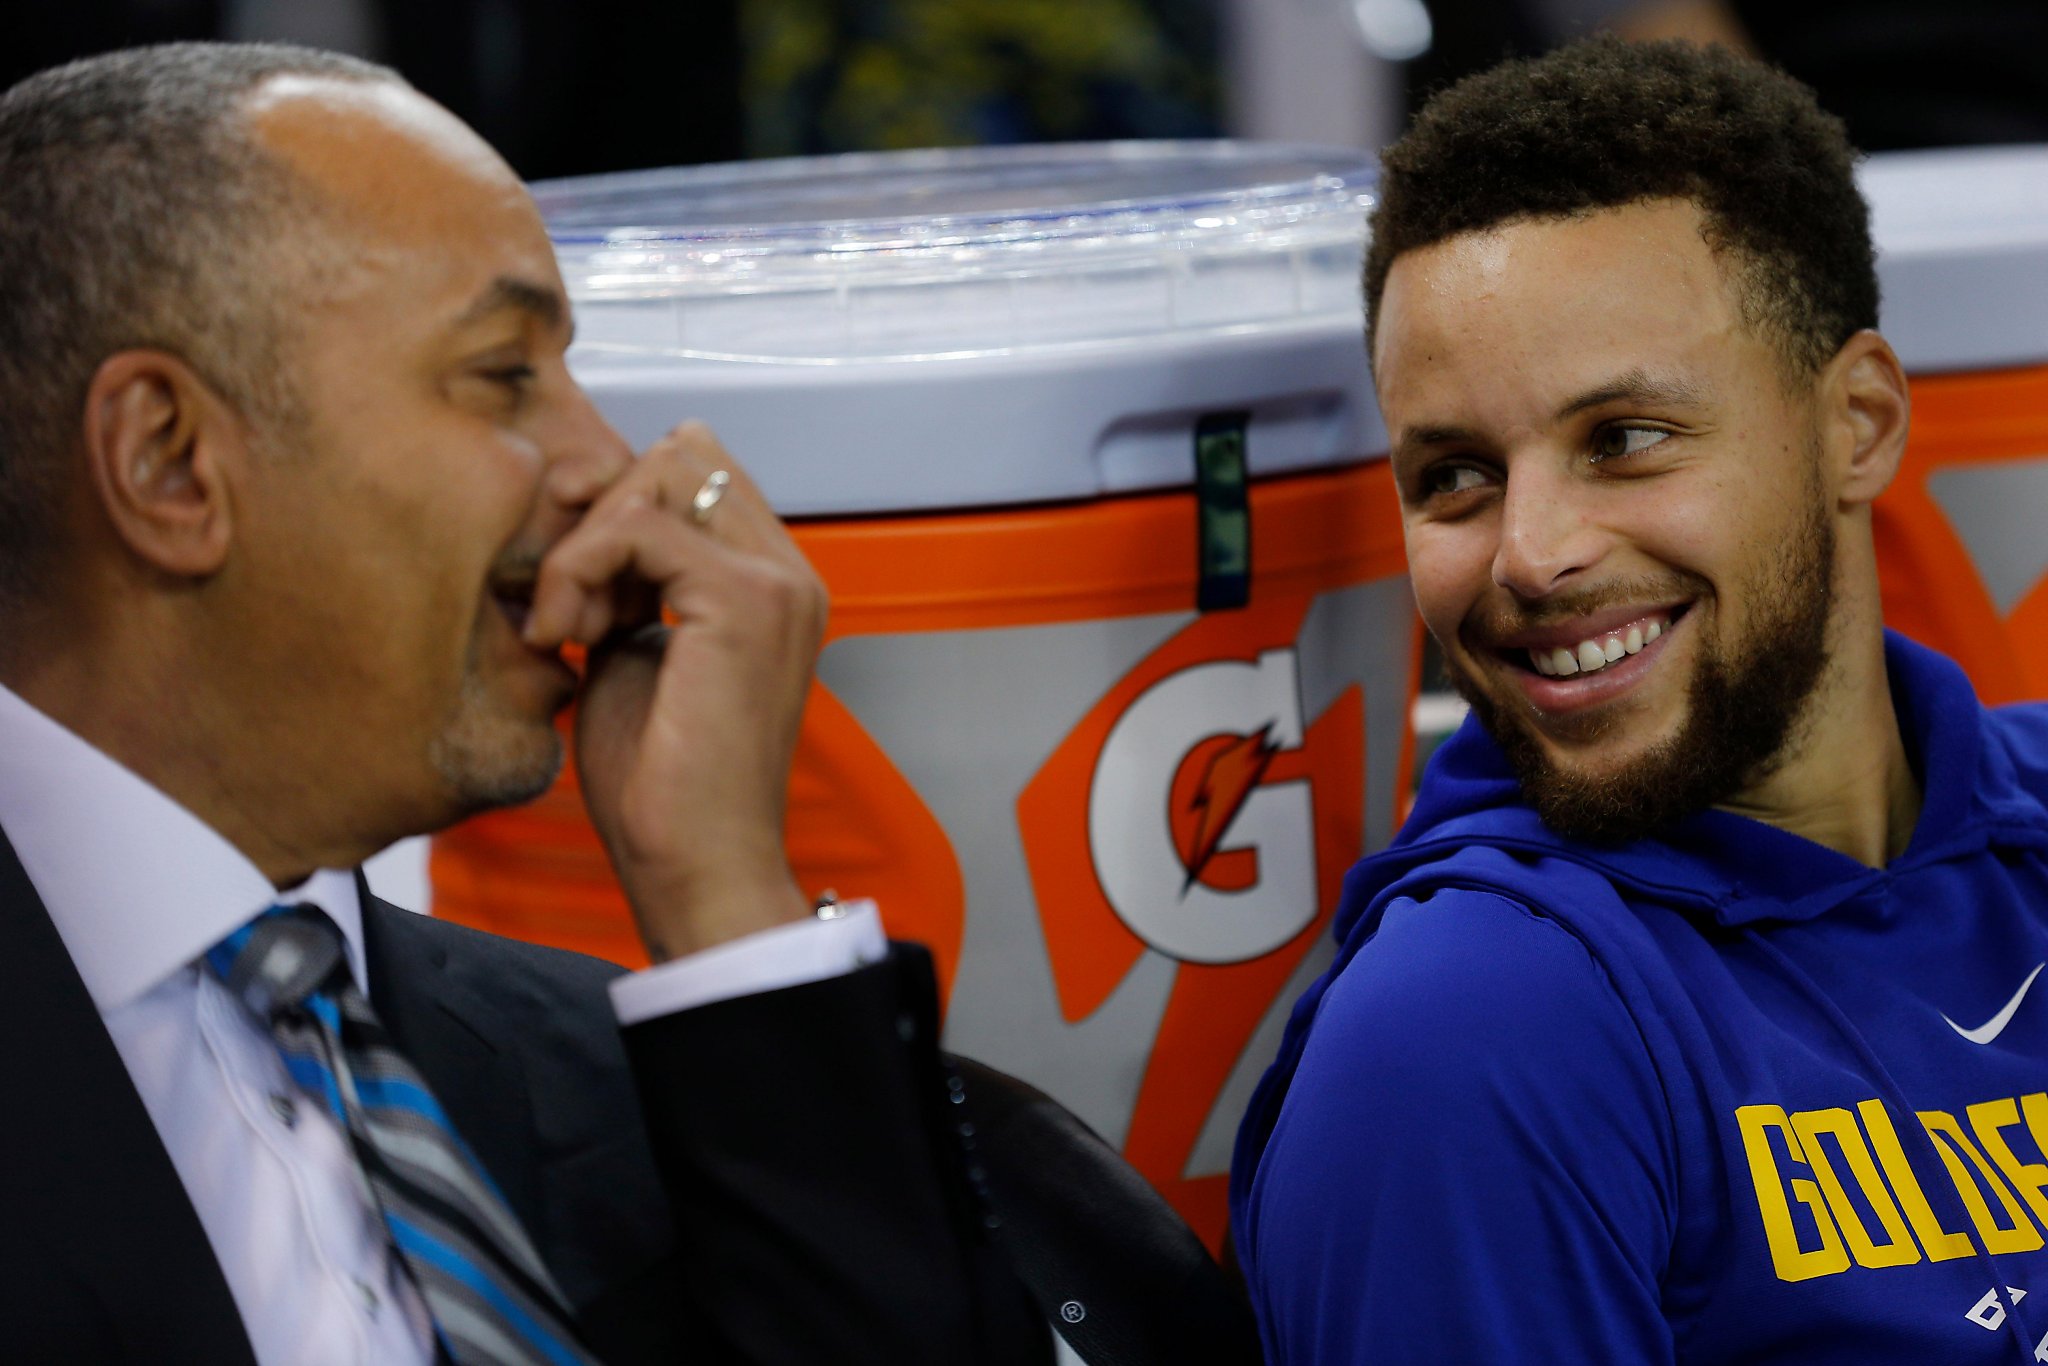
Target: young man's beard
(1743, 706)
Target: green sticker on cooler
(1223, 532)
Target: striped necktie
(493, 1302)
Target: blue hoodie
(1702, 1098)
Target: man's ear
(1864, 411)
(160, 444)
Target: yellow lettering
(1840, 1125)
(2035, 1108)
(1791, 1261)
(1949, 1139)
(2030, 1179)
(1941, 1245)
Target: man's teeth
(1589, 656)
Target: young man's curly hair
(1603, 123)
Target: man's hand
(684, 744)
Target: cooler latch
(1223, 519)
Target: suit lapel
(445, 1026)
(87, 1181)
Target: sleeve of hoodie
(1474, 1160)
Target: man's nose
(585, 453)
(1547, 532)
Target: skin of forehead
(409, 212)
(1627, 281)
(380, 150)
(407, 199)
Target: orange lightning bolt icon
(1232, 774)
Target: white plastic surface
(911, 331)
(992, 430)
(1962, 239)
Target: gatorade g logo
(1198, 811)
(1202, 856)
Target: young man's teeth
(1589, 656)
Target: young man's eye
(513, 377)
(1611, 442)
(1440, 480)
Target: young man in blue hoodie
(1690, 1017)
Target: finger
(615, 572)
(675, 469)
(753, 523)
(622, 572)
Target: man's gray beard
(1743, 707)
(489, 760)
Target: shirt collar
(137, 886)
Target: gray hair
(135, 211)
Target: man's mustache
(1504, 615)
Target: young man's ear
(160, 443)
(1864, 409)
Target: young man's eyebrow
(1636, 386)
(1416, 438)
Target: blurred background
(566, 88)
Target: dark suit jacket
(816, 1217)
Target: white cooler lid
(1962, 243)
(959, 252)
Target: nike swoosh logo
(1995, 1026)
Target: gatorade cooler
(1962, 535)
(1121, 652)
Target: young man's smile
(1598, 647)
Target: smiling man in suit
(299, 506)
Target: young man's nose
(1546, 534)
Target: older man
(1689, 1019)
(299, 509)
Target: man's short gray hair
(135, 211)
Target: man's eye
(1610, 442)
(1446, 479)
(514, 377)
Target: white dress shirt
(139, 888)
